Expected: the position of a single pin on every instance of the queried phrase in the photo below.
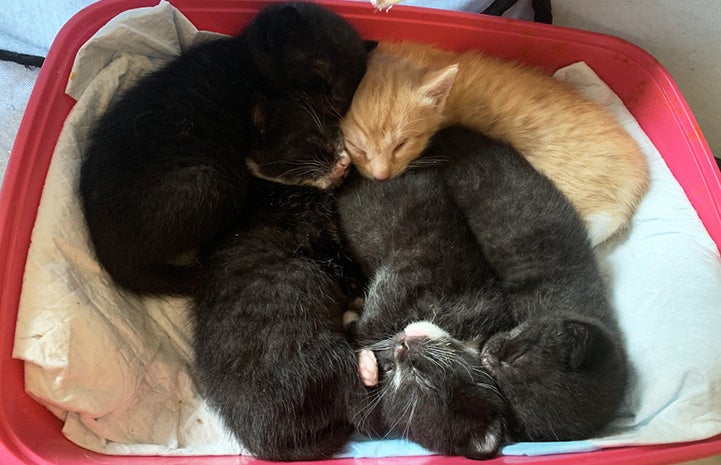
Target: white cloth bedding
(118, 368)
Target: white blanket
(118, 368)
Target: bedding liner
(118, 368)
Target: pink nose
(344, 161)
(381, 176)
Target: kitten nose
(490, 354)
(381, 176)
(400, 349)
(493, 348)
(344, 160)
(379, 171)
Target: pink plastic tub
(30, 434)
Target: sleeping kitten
(169, 162)
(268, 339)
(425, 270)
(563, 368)
(436, 392)
(410, 91)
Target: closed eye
(323, 71)
(354, 150)
(399, 146)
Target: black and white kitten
(268, 336)
(563, 368)
(168, 164)
(429, 289)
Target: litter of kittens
(176, 422)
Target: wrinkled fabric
(118, 369)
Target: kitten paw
(368, 367)
(350, 317)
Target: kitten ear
(589, 344)
(259, 112)
(370, 45)
(437, 85)
(284, 25)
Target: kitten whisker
(306, 105)
(400, 418)
(410, 418)
(464, 364)
(366, 410)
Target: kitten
(563, 368)
(410, 91)
(268, 338)
(168, 164)
(436, 392)
(425, 270)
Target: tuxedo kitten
(435, 391)
(563, 368)
(268, 337)
(168, 164)
(426, 272)
(411, 91)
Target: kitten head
(305, 50)
(563, 377)
(435, 392)
(294, 145)
(395, 111)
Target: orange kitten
(410, 91)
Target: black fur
(563, 368)
(165, 169)
(268, 338)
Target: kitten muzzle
(340, 170)
(400, 349)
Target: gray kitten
(563, 369)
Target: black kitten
(426, 272)
(268, 338)
(167, 164)
(563, 368)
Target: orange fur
(410, 91)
